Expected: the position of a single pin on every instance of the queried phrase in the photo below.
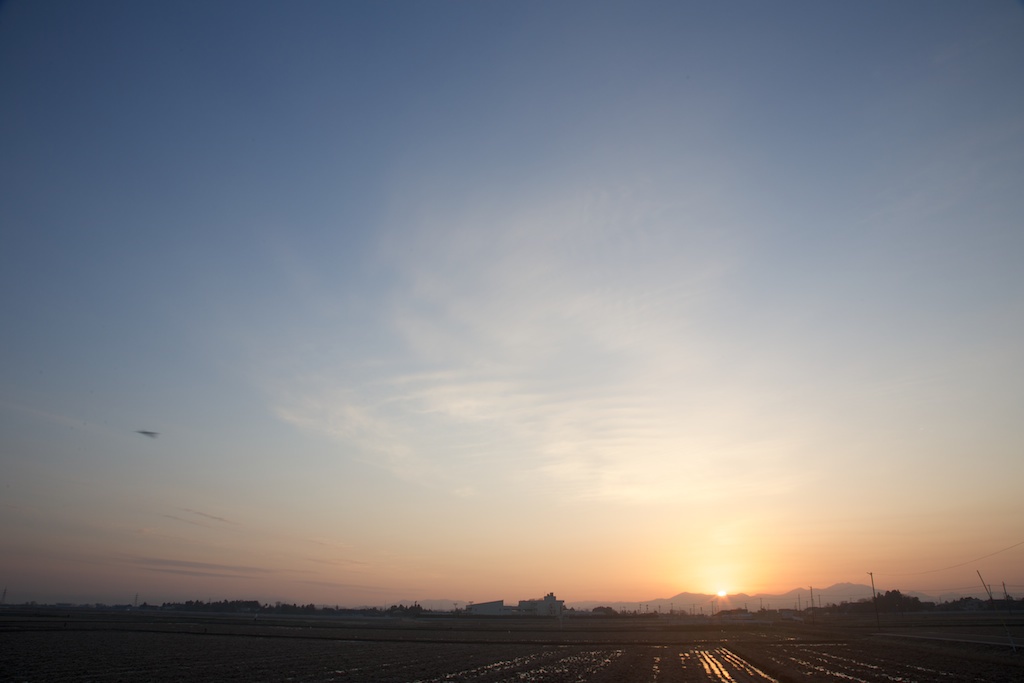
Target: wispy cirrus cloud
(349, 418)
(571, 345)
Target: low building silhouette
(490, 609)
(548, 606)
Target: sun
(722, 594)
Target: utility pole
(988, 589)
(812, 604)
(874, 599)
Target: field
(50, 645)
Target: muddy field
(115, 647)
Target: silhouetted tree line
(895, 602)
(221, 606)
(413, 610)
(889, 602)
(254, 607)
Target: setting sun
(721, 594)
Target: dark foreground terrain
(87, 646)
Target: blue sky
(407, 288)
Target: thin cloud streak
(160, 562)
(208, 516)
(197, 573)
(186, 521)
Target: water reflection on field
(155, 647)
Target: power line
(957, 566)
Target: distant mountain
(704, 603)
(699, 603)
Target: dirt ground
(159, 647)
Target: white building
(548, 606)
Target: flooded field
(161, 648)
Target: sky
(478, 301)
